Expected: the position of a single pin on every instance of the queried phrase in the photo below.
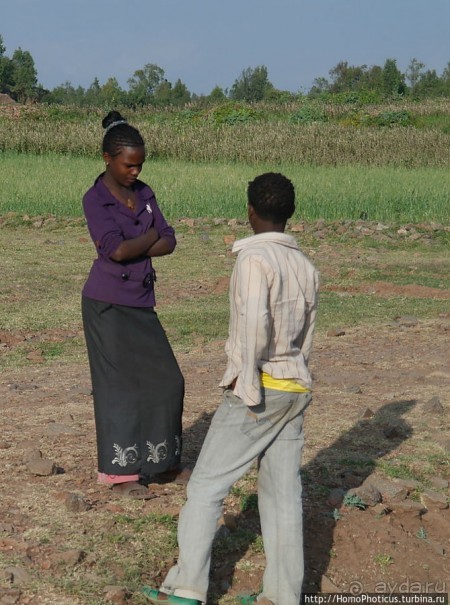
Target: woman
(137, 385)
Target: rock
(350, 480)
(36, 356)
(326, 585)
(69, 558)
(390, 490)
(367, 413)
(222, 532)
(434, 406)
(434, 500)
(394, 431)
(380, 509)
(354, 388)
(336, 332)
(439, 482)
(7, 528)
(42, 467)
(438, 548)
(368, 493)
(19, 575)
(230, 522)
(58, 428)
(76, 503)
(32, 454)
(444, 442)
(10, 596)
(336, 497)
(407, 321)
(115, 594)
(409, 507)
(409, 484)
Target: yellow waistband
(282, 384)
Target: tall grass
(54, 184)
(319, 144)
(341, 135)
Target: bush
(308, 114)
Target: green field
(54, 184)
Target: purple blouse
(130, 282)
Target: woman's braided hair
(119, 134)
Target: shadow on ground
(356, 451)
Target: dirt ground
(389, 375)
(378, 425)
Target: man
(273, 299)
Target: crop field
(383, 163)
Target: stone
(115, 594)
(394, 431)
(390, 490)
(42, 467)
(434, 500)
(326, 585)
(350, 480)
(230, 522)
(434, 406)
(354, 388)
(367, 413)
(380, 509)
(336, 332)
(10, 596)
(32, 454)
(69, 558)
(298, 228)
(409, 507)
(439, 482)
(407, 321)
(369, 494)
(36, 356)
(58, 428)
(19, 575)
(336, 497)
(76, 503)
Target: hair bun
(113, 116)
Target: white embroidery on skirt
(157, 452)
(129, 455)
(177, 445)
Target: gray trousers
(272, 432)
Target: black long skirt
(137, 387)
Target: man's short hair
(272, 196)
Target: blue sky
(207, 43)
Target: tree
(430, 85)
(393, 79)
(320, 86)
(445, 78)
(217, 95)
(65, 94)
(252, 85)
(92, 94)
(163, 93)
(144, 83)
(24, 75)
(111, 94)
(414, 72)
(180, 94)
(5, 69)
(347, 78)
